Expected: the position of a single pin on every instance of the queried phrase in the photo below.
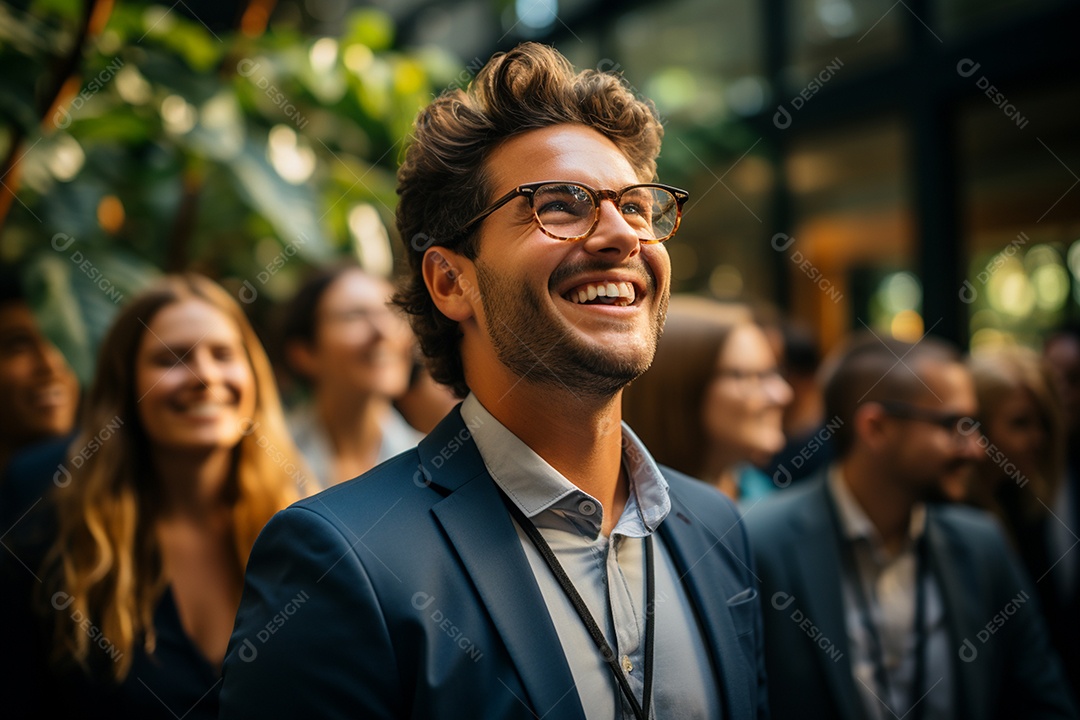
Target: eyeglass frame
(907, 411)
(528, 190)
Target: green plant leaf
(75, 290)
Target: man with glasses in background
(529, 558)
(880, 602)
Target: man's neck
(885, 503)
(580, 437)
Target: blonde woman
(1021, 433)
(1022, 438)
(1019, 476)
(135, 599)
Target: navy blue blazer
(406, 593)
(1003, 670)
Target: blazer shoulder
(966, 518)
(703, 515)
(780, 514)
(398, 478)
(975, 530)
(697, 494)
(390, 507)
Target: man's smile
(602, 293)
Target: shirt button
(626, 664)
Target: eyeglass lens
(568, 211)
(946, 421)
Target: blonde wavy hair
(106, 556)
(997, 374)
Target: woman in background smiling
(149, 539)
(711, 405)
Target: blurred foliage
(246, 156)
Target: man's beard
(952, 473)
(535, 346)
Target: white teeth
(203, 409)
(587, 293)
(49, 395)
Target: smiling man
(529, 558)
(882, 601)
(39, 392)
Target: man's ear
(451, 292)
(869, 424)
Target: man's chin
(594, 382)
(951, 487)
(622, 367)
(940, 494)
(593, 372)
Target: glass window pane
(960, 17)
(1020, 164)
(858, 32)
(722, 246)
(697, 59)
(852, 250)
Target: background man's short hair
(875, 369)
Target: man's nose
(970, 448)
(614, 237)
(49, 361)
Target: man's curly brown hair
(443, 182)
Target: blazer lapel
(955, 582)
(689, 543)
(820, 593)
(482, 534)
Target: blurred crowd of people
(883, 532)
(126, 532)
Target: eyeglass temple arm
(498, 204)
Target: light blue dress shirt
(314, 444)
(889, 586)
(608, 573)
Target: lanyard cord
(590, 623)
(877, 648)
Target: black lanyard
(877, 647)
(590, 623)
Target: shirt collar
(536, 487)
(854, 522)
